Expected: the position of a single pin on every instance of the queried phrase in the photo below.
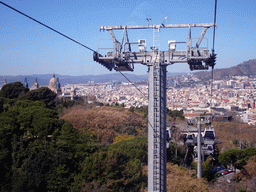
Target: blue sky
(28, 48)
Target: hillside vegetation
(247, 68)
(106, 122)
(41, 152)
(94, 148)
(234, 135)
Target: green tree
(68, 133)
(136, 148)
(59, 179)
(29, 160)
(230, 156)
(207, 167)
(45, 126)
(143, 110)
(2, 101)
(27, 103)
(44, 171)
(119, 168)
(175, 113)
(35, 173)
(171, 154)
(176, 138)
(113, 169)
(38, 121)
(43, 94)
(249, 152)
(7, 128)
(13, 90)
(236, 156)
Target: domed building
(70, 94)
(54, 85)
(52, 82)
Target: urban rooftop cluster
(236, 94)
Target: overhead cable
(215, 10)
(47, 26)
(133, 85)
(141, 93)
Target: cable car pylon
(121, 58)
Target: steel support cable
(47, 26)
(213, 43)
(215, 11)
(133, 84)
(139, 91)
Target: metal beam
(156, 26)
(200, 38)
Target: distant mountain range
(43, 80)
(247, 68)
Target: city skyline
(28, 48)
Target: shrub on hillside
(234, 135)
(119, 168)
(236, 157)
(105, 122)
(179, 180)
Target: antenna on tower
(163, 21)
(148, 19)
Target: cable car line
(47, 26)
(215, 10)
(140, 92)
(67, 38)
(213, 43)
(134, 85)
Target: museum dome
(52, 82)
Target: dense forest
(40, 151)
(48, 144)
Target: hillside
(234, 135)
(106, 122)
(247, 68)
(40, 152)
(180, 180)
